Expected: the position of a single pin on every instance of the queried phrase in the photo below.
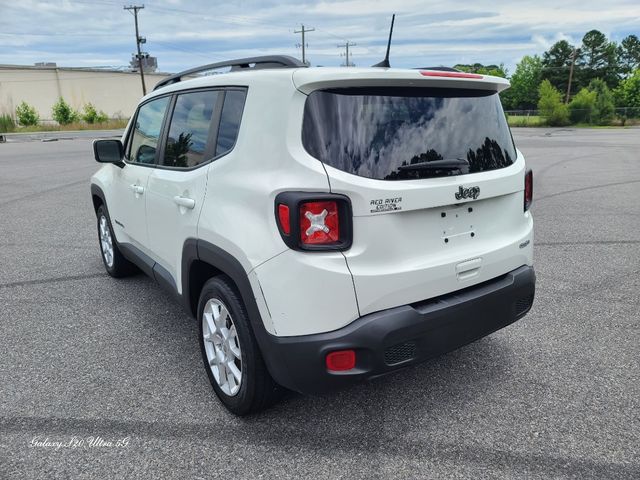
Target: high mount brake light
(314, 221)
(436, 73)
(528, 189)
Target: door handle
(184, 202)
(138, 189)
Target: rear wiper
(445, 164)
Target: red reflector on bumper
(341, 360)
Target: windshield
(395, 133)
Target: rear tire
(230, 352)
(114, 262)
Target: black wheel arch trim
(227, 264)
(96, 191)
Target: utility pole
(573, 61)
(346, 46)
(303, 44)
(139, 41)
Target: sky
(183, 34)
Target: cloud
(183, 34)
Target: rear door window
(407, 133)
(190, 129)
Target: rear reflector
(283, 217)
(436, 73)
(319, 223)
(528, 189)
(341, 360)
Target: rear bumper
(395, 338)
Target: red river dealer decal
(385, 204)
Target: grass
(7, 124)
(525, 121)
(538, 121)
(108, 125)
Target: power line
(346, 46)
(139, 40)
(303, 44)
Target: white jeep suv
(324, 225)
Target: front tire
(114, 262)
(230, 352)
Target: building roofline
(76, 69)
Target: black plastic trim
(293, 200)
(143, 261)
(435, 326)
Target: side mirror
(109, 151)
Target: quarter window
(189, 129)
(230, 121)
(146, 131)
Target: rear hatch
(434, 178)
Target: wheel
(231, 355)
(114, 262)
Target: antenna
(385, 63)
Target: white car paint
(396, 258)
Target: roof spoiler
(268, 61)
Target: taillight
(341, 360)
(314, 221)
(528, 189)
(283, 217)
(319, 223)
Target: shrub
(91, 115)
(63, 113)
(582, 107)
(604, 106)
(27, 115)
(6, 123)
(550, 105)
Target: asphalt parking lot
(556, 395)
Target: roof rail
(268, 61)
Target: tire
(231, 355)
(114, 262)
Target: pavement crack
(590, 242)
(593, 187)
(68, 278)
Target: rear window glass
(408, 133)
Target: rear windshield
(407, 133)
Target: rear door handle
(184, 202)
(138, 189)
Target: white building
(114, 92)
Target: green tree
(550, 105)
(523, 93)
(63, 113)
(627, 95)
(628, 92)
(91, 115)
(26, 114)
(495, 70)
(556, 63)
(599, 60)
(604, 107)
(582, 106)
(629, 55)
